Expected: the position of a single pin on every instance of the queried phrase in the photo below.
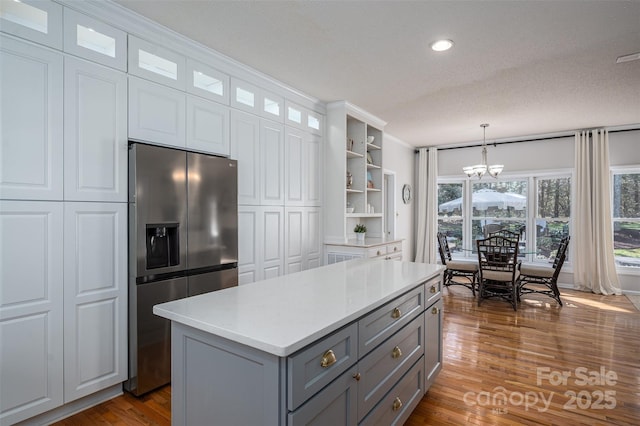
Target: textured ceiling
(525, 67)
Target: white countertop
(284, 314)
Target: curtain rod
(521, 140)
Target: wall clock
(406, 193)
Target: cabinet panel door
(313, 237)
(156, 113)
(31, 308)
(294, 240)
(207, 82)
(272, 238)
(245, 147)
(94, 40)
(433, 342)
(296, 167)
(207, 126)
(248, 244)
(95, 282)
(38, 21)
(271, 163)
(95, 118)
(156, 63)
(313, 171)
(31, 153)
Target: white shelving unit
(355, 146)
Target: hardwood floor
(541, 365)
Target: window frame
(531, 177)
(621, 170)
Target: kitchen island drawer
(402, 399)
(374, 328)
(311, 369)
(432, 290)
(385, 365)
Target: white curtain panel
(427, 199)
(592, 241)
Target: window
(553, 201)
(626, 218)
(450, 217)
(502, 204)
(538, 207)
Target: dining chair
(467, 271)
(544, 279)
(499, 272)
(505, 233)
(491, 228)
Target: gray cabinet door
(433, 342)
(336, 405)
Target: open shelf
(372, 166)
(372, 146)
(351, 154)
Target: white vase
(360, 237)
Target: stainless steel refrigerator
(183, 241)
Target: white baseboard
(74, 407)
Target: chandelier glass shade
(480, 170)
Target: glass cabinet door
(94, 40)
(37, 21)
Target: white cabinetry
(303, 159)
(258, 145)
(31, 154)
(38, 21)
(94, 40)
(95, 118)
(354, 154)
(207, 126)
(156, 63)
(31, 308)
(271, 163)
(303, 238)
(95, 294)
(156, 113)
(207, 82)
(260, 243)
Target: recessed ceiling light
(441, 45)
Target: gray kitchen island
(351, 343)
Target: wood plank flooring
(541, 365)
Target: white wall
(399, 158)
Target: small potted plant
(360, 230)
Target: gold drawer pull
(328, 359)
(378, 253)
(397, 404)
(433, 289)
(395, 249)
(395, 314)
(435, 311)
(357, 377)
(396, 353)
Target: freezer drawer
(212, 281)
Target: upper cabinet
(31, 153)
(202, 80)
(38, 21)
(156, 113)
(95, 136)
(250, 98)
(94, 40)
(156, 63)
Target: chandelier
(480, 169)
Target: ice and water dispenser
(163, 245)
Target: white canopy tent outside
(486, 198)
